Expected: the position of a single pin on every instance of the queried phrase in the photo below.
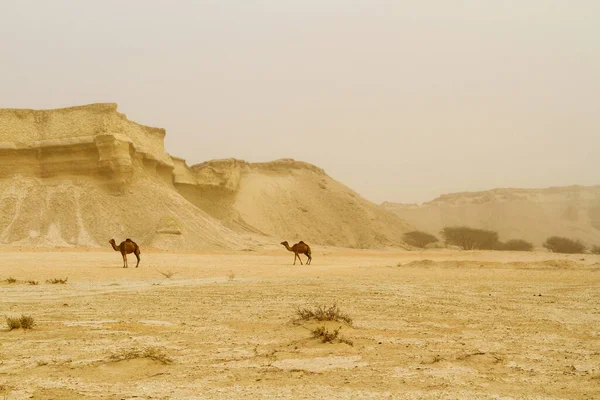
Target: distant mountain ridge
(530, 214)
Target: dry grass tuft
(329, 337)
(11, 280)
(32, 282)
(13, 323)
(151, 353)
(27, 322)
(167, 274)
(24, 321)
(54, 281)
(323, 313)
(231, 276)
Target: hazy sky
(400, 100)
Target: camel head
(112, 241)
(284, 243)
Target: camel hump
(301, 242)
(128, 240)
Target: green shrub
(557, 244)
(419, 239)
(469, 238)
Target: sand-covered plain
(426, 325)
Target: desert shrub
(324, 313)
(557, 244)
(24, 321)
(469, 238)
(515, 245)
(13, 323)
(11, 280)
(419, 239)
(27, 322)
(325, 336)
(151, 353)
(32, 282)
(595, 249)
(55, 281)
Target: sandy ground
(459, 325)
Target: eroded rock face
(92, 140)
(80, 176)
(83, 175)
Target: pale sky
(400, 100)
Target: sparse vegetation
(167, 274)
(515, 245)
(323, 313)
(595, 249)
(151, 353)
(55, 281)
(325, 336)
(557, 244)
(11, 280)
(419, 239)
(469, 238)
(24, 321)
(27, 322)
(231, 276)
(13, 323)
(32, 282)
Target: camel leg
(299, 259)
(137, 254)
(309, 259)
(124, 261)
(295, 255)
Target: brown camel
(127, 247)
(299, 248)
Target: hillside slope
(530, 214)
(288, 200)
(80, 176)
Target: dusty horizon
(401, 102)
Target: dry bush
(13, 323)
(151, 353)
(27, 321)
(323, 313)
(167, 274)
(32, 282)
(557, 244)
(419, 239)
(55, 281)
(595, 249)
(24, 321)
(231, 276)
(325, 336)
(515, 245)
(11, 280)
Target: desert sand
(425, 325)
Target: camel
(127, 247)
(299, 248)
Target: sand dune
(530, 214)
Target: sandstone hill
(289, 200)
(79, 176)
(530, 214)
